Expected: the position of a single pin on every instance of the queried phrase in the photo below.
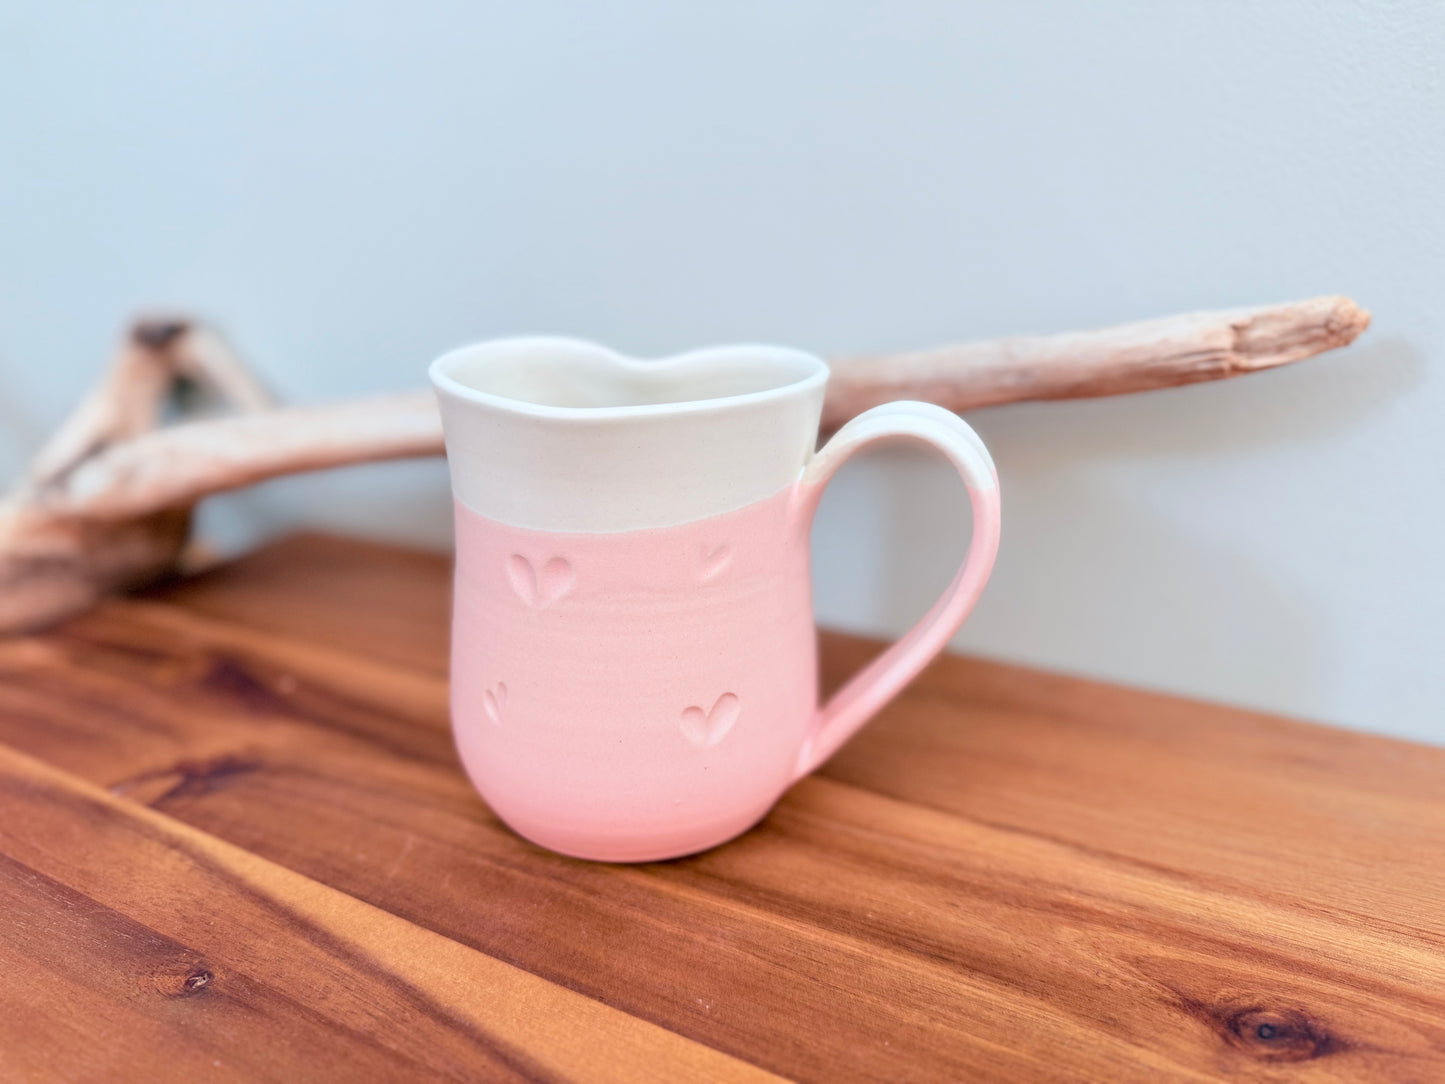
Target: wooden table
(235, 842)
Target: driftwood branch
(159, 357)
(183, 463)
(107, 502)
(1150, 354)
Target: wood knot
(186, 980)
(199, 778)
(232, 679)
(1278, 1034)
(195, 980)
(187, 779)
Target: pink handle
(882, 679)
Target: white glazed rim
(440, 373)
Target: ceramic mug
(633, 663)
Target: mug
(633, 660)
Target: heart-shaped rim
(513, 374)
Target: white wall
(351, 187)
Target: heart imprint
(540, 589)
(708, 728)
(715, 561)
(494, 700)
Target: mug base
(658, 846)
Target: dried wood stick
(203, 356)
(183, 463)
(1160, 353)
(107, 502)
(127, 401)
(132, 395)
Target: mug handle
(882, 679)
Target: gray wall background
(349, 188)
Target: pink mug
(633, 665)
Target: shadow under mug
(633, 663)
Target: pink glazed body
(635, 695)
(633, 657)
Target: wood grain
(138, 948)
(1008, 876)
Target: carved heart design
(706, 729)
(540, 589)
(494, 700)
(715, 561)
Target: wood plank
(1283, 810)
(1008, 876)
(383, 601)
(137, 948)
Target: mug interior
(569, 374)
